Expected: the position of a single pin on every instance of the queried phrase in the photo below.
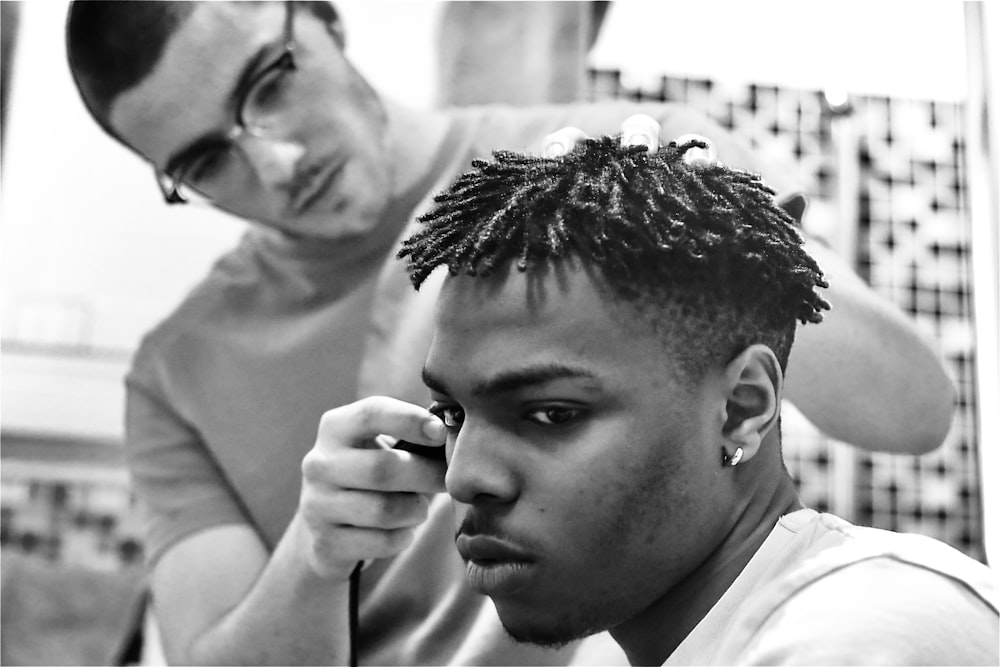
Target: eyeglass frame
(286, 61)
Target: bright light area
(887, 48)
(392, 45)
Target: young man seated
(609, 354)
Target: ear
(336, 30)
(795, 205)
(754, 381)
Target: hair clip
(696, 155)
(641, 130)
(562, 141)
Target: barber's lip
(318, 186)
(494, 567)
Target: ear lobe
(754, 379)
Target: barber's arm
(865, 375)
(221, 597)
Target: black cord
(352, 600)
(352, 613)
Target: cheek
(650, 494)
(346, 105)
(624, 502)
(258, 203)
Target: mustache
(479, 522)
(310, 181)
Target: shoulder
(876, 598)
(879, 611)
(200, 310)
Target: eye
(452, 415)
(553, 415)
(268, 93)
(206, 167)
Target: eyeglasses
(261, 112)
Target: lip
(316, 185)
(494, 567)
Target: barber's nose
(479, 470)
(273, 160)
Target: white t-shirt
(821, 591)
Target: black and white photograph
(482, 332)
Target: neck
(651, 636)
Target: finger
(364, 509)
(641, 130)
(562, 141)
(697, 155)
(388, 470)
(356, 424)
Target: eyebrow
(233, 97)
(510, 381)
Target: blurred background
(888, 109)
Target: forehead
(186, 92)
(486, 326)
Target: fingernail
(695, 155)
(641, 130)
(562, 142)
(434, 428)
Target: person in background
(609, 354)
(253, 108)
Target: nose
(273, 160)
(480, 471)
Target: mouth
(314, 185)
(494, 567)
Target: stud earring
(733, 460)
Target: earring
(733, 460)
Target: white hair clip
(562, 141)
(641, 130)
(695, 155)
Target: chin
(555, 632)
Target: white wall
(895, 48)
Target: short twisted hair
(708, 242)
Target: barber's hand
(360, 498)
(636, 130)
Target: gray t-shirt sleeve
(178, 485)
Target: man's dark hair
(112, 45)
(706, 242)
